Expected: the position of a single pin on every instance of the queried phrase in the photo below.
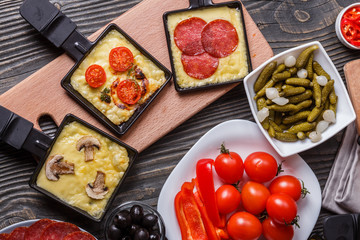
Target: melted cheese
(231, 67)
(100, 55)
(111, 158)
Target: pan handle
(200, 3)
(19, 133)
(55, 26)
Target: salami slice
(18, 233)
(4, 236)
(58, 230)
(35, 230)
(187, 36)
(79, 236)
(219, 38)
(200, 66)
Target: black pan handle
(55, 26)
(200, 3)
(19, 133)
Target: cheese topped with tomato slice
(111, 159)
(105, 97)
(195, 66)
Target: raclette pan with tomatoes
(114, 78)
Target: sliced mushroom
(88, 143)
(138, 73)
(97, 190)
(55, 167)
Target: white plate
(243, 137)
(345, 112)
(27, 223)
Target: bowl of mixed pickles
(298, 99)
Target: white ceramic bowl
(338, 28)
(345, 111)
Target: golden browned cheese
(112, 159)
(232, 67)
(100, 56)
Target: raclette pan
(204, 5)
(61, 31)
(19, 133)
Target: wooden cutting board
(352, 73)
(41, 93)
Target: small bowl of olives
(134, 221)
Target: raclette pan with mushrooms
(82, 167)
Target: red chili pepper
(350, 26)
(188, 214)
(207, 190)
(352, 14)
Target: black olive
(122, 220)
(149, 220)
(154, 236)
(141, 234)
(126, 238)
(114, 233)
(136, 213)
(133, 229)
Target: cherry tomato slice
(95, 76)
(129, 91)
(352, 14)
(274, 231)
(121, 59)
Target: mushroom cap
(87, 141)
(97, 190)
(50, 174)
(54, 167)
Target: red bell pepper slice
(207, 190)
(209, 226)
(188, 214)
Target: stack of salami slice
(46, 229)
(202, 44)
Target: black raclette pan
(61, 31)
(204, 5)
(19, 133)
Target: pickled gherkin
(293, 120)
(264, 76)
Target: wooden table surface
(284, 23)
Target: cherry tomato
(229, 166)
(274, 231)
(128, 91)
(254, 196)
(244, 226)
(260, 167)
(287, 184)
(121, 59)
(281, 208)
(228, 198)
(95, 76)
